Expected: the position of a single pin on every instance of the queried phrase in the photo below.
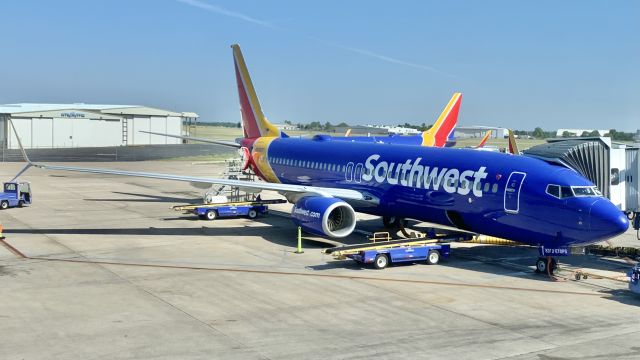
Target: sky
(519, 64)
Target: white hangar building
(85, 125)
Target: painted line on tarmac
(21, 255)
(13, 250)
(329, 276)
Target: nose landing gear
(547, 265)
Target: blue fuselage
(485, 192)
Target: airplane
(513, 146)
(438, 135)
(514, 197)
(484, 139)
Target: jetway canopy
(613, 167)
(588, 156)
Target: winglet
(513, 147)
(347, 133)
(24, 154)
(438, 134)
(254, 123)
(484, 139)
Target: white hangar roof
(118, 110)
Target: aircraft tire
(381, 261)
(541, 266)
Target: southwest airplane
(439, 135)
(512, 197)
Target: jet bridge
(613, 167)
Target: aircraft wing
(288, 190)
(217, 142)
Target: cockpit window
(553, 190)
(560, 192)
(586, 191)
(565, 192)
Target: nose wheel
(546, 265)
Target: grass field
(224, 133)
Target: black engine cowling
(324, 216)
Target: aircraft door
(512, 192)
(357, 176)
(348, 172)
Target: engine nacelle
(324, 216)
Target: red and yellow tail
(513, 147)
(254, 123)
(484, 139)
(437, 135)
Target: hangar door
(160, 124)
(34, 133)
(69, 132)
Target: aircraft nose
(607, 220)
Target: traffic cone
(1, 236)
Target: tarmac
(100, 267)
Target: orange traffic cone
(1, 236)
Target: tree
(585, 134)
(538, 133)
(594, 133)
(328, 126)
(342, 124)
(287, 122)
(567, 134)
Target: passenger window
(486, 187)
(494, 188)
(553, 190)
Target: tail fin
(347, 133)
(254, 123)
(513, 147)
(484, 139)
(437, 135)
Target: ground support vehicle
(634, 279)
(15, 194)
(381, 253)
(250, 209)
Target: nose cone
(607, 220)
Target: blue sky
(519, 64)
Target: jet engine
(324, 216)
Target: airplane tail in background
(254, 123)
(484, 139)
(513, 147)
(438, 134)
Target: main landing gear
(396, 223)
(393, 222)
(547, 265)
